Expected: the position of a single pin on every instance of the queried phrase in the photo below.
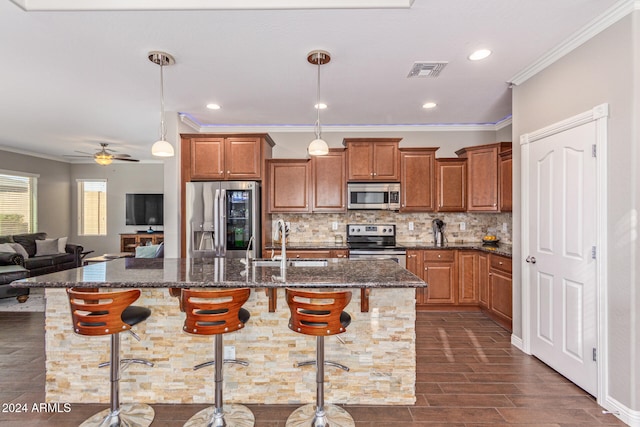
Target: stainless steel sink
(290, 263)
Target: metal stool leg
(320, 415)
(219, 415)
(127, 415)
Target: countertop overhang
(227, 272)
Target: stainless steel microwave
(374, 195)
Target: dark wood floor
(468, 375)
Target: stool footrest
(127, 362)
(326, 363)
(213, 362)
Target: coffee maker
(438, 231)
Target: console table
(129, 241)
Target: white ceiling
(73, 79)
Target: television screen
(144, 209)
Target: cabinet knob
(230, 172)
(221, 172)
(439, 256)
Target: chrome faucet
(282, 229)
(251, 241)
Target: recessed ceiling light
(479, 54)
(429, 105)
(213, 106)
(320, 106)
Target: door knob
(531, 259)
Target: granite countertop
(500, 249)
(226, 272)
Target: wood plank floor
(468, 375)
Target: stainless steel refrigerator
(222, 217)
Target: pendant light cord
(163, 130)
(318, 103)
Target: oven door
(398, 256)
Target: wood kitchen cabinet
(451, 185)
(414, 265)
(439, 272)
(417, 179)
(288, 185)
(483, 280)
(505, 181)
(225, 157)
(310, 253)
(328, 177)
(500, 291)
(482, 175)
(468, 277)
(373, 159)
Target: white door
(560, 261)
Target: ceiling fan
(104, 156)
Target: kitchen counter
(371, 347)
(500, 249)
(227, 272)
(301, 246)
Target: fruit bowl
(490, 240)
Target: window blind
(92, 207)
(17, 203)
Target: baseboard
(517, 342)
(627, 415)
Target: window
(92, 207)
(17, 202)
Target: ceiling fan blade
(121, 156)
(126, 159)
(77, 157)
(83, 152)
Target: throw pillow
(148, 251)
(6, 239)
(62, 243)
(46, 247)
(6, 247)
(20, 250)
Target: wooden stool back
(99, 313)
(317, 313)
(213, 312)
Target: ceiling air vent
(426, 69)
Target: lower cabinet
(464, 280)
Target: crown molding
(33, 154)
(599, 24)
(443, 127)
(89, 5)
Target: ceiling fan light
(162, 148)
(318, 147)
(103, 159)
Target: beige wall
(53, 190)
(603, 70)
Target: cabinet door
(417, 179)
(242, 158)
(359, 161)
(500, 297)
(468, 277)
(506, 182)
(414, 265)
(483, 280)
(440, 278)
(207, 158)
(386, 161)
(482, 183)
(451, 184)
(339, 253)
(329, 182)
(289, 185)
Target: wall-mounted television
(144, 209)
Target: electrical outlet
(410, 225)
(334, 226)
(463, 226)
(505, 227)
(229, 352)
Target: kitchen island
(379, 346)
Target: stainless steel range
(375, 241)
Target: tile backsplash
(317, 227)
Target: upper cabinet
(288, 185)
(328, 177)
(372, 159)
(505, 186)
(451, 185)
(417, 177)
(225, 157)
(482, 175)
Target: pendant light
(318, 147)
(162, 148)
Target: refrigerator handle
(216, 223)
(223, 223)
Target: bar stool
(217, 312)
(319, 314)
(109, 313)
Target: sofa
(33, 254)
